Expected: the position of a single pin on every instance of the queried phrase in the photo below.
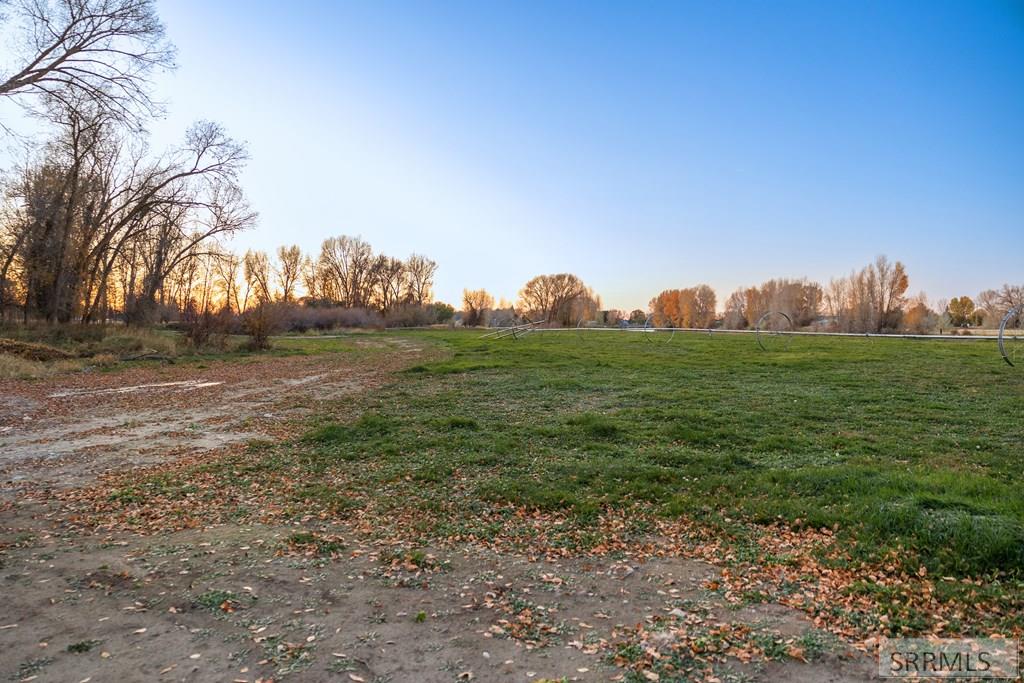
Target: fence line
(711, 331)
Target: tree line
(96, 225)
(345, 273)
(94, 220)
(873, 299)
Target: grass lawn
(907, 452)
(900, 443)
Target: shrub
(411, 315)
(104, 360)
(320, 316)
(260, 323)
(207, 328)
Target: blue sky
(640, 145)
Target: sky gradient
(642, 146)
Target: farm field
(615, 506)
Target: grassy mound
(33, 351)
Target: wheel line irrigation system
(777, 325)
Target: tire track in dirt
(65, 431)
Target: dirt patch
(245, 603)
(65, 431)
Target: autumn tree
(559, 297)
(892, 283)
(960, 311)
(919, 318)
(475, 305)
(692, 307)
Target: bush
(207, 328)
(411, 315)
(319, 316)
(261, 322)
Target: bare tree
(177, 203)
(892, 283)
(1011, 296)
(387, 279)
(420, 273)
(99, 51)
(311, 280)
(256, 266)
(546, 296)
(736, 311)
(94, 208)
(227, 267)
(289, 262)
(344, 266)
(475, 305)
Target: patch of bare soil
(245, 603)
(65, 431)
(254, 603)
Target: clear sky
(641, 145)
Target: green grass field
(899, 443)
(909, 450)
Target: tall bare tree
(256, 271)
(289, 263)
(420, 271)
(95, 208)
(98, 51)
(345, 263)
(475, 305)
(387, 276)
